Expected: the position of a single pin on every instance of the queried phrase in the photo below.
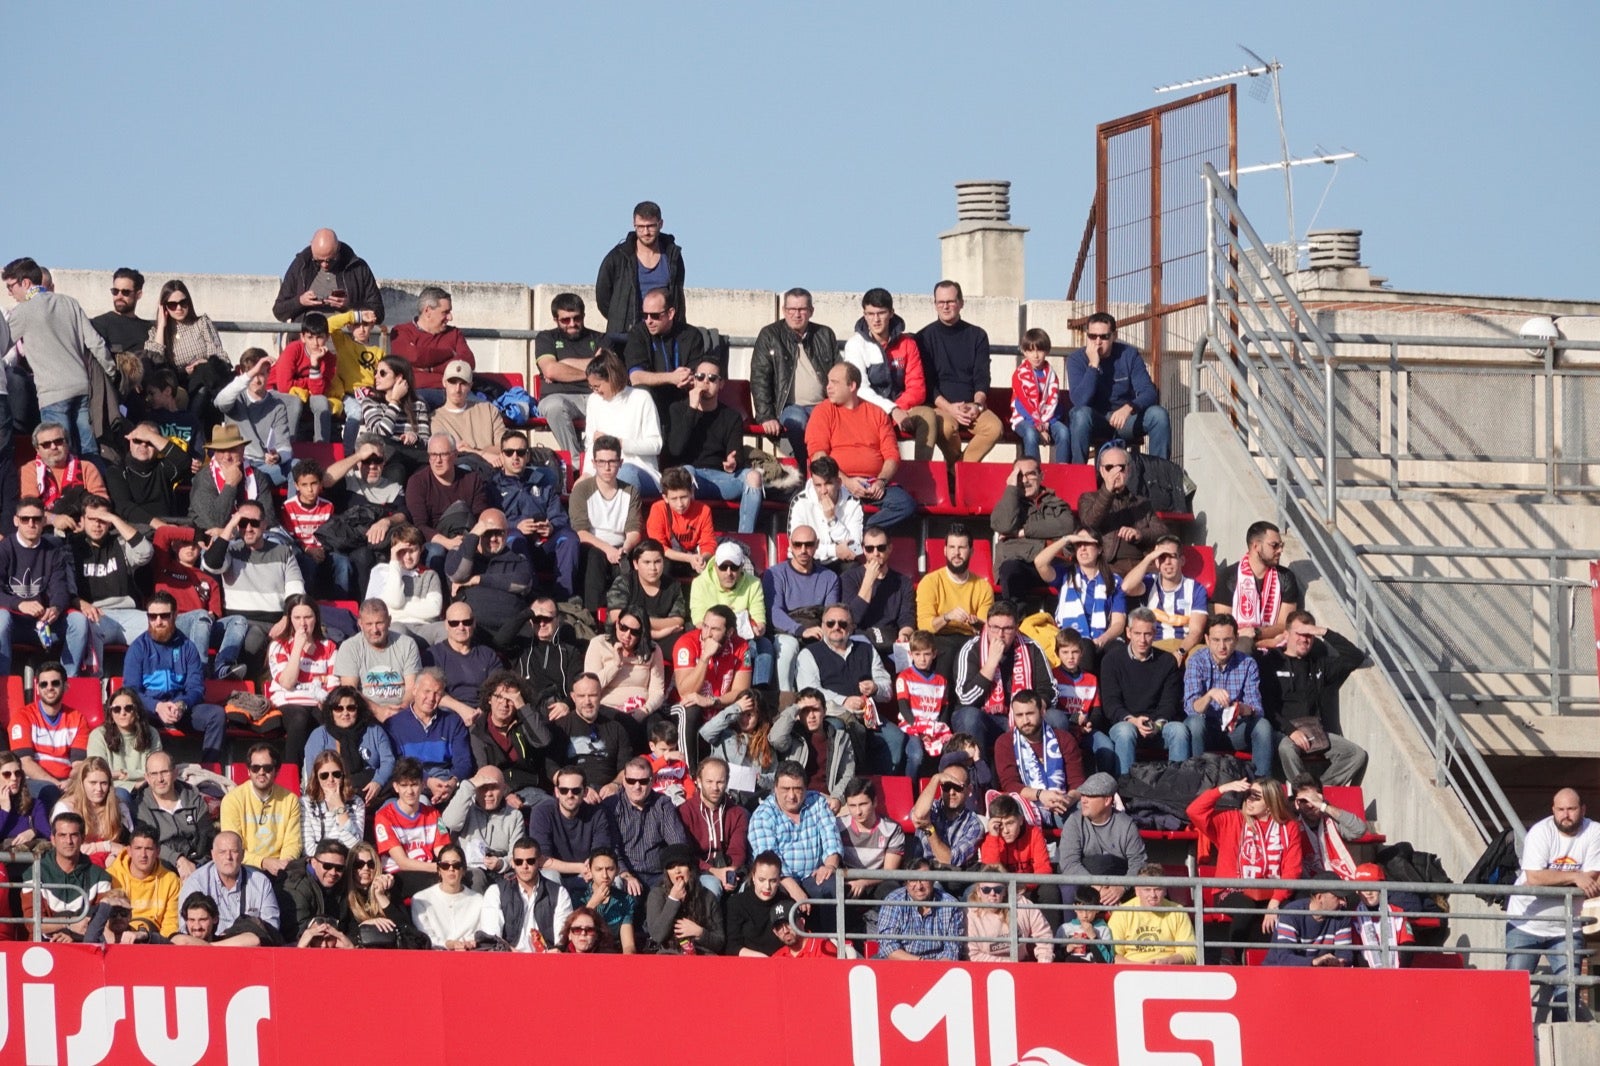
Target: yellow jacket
(270, 830)
(356, 362)
(154, 898)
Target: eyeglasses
(50, 684)
(449, 865)
(515, 452)
(951, 786)
(30, 518)
(364, 864)
(330, 775)
(140, 442)
(173, 305)
(836, 623)
(636, 780)
(56, 442)
(158, 616)
(875, 549)
(1097, 336)
(543, 619)
(262, 768)
(525, 862)
(606, 462)
(708, 377)
(634, 630)
(580, 930)
(249, 523)
(654, 316)
(458, 623)
(336, 867)
(570, 791)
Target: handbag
(1316, 737)
(370, 936)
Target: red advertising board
(79, 1006)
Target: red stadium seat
(905, 555)
(1200, 563)
(895, 799)
(509, 380)
(928, 483)
(323, 453)
(1350, 798)
(978, 486)
(998, 400)
(981, 563)
(736, 394)
(1068, 480)
(755, 544)
(288, 775)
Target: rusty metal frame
(1097, 230)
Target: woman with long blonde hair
(106, 822)
(367, 900)
(990, 917)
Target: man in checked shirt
(1222, 695)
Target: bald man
(327, 276)
(1563, 849)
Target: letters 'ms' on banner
(82, 1006)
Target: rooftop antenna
(1266, 71)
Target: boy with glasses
(1111, 391)
(607, 517)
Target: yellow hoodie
(154, 898)
(355, 362)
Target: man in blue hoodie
(1111, 388)
(167, 671)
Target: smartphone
(338, 294)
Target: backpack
(549, 459)
(517, 406)
(1161, 481)
(1498, 865)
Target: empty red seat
(928, 483)
(979, 485)
(981, 561)
(1068, 480)
(1200, 563)
(324, 453)
(895, 799)
(755, 545)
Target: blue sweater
(375, 749)
(442, 748)
(786, 587)
(170, 671)
(1121, 378)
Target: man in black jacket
(783, 386)
(644, 253)
(1301, 680)
(707, 436)
(552, 662)
(662, 351)
(1141, 690)
(143, 486)
(514, 738)
(328, 276)
(313, 889)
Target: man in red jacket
(718, 830)
(429, 343)
(199, 597)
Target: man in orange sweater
(860, 438)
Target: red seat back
(981, 563)
(895, 799)
(927, 482)
(736, 394)
(1200, 563)
(978, 486)
(1068, 480)
(755, 544)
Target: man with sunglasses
(882, 600)
(121, 326)
(646, 824)
(264, 814)
(552, 662)
(47, 736)
(562, 355)
(537, 524)
(526, 908)
(1027, 518)
(167, 672)
(143, 484)
(797, 590)
(54, 470)
(707, 436)
(59, 340)
(662, 351)
(947, 827)
(1126, 524)
(1112, 392)
(313, 891)
(257, 574)
(516, 739)
(36, 592)
(466, 665)
(570, 828)
(852, 677)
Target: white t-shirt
(1547, 848)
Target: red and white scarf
(1021, 671)
(1254, 607)
(1034, 392)
(1261, 845)
(49, 489)
(250, 488)
(1331, 850)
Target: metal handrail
(840, 901)
(35, 885)
(1308, 504)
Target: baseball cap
(458, 370)
(1368, 871)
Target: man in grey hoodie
(57, 337)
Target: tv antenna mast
(1268, 70)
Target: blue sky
(811, 144)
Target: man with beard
(562, 356)
(991, 669)
(121, 326)
(1037, 762)
(952, 601)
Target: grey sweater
(263, 423)
(55, 333)
(1080, 837)
(495, 830)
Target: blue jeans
(1526, 951)
(788, 658)
(207, 719)
(761, 669)
(1125, 741)
(352, 423)
(119, 625)
(637, 477)
(886, 748)
(982, 726)
(793, 421)
(277, 473)
(1254, 732)
(559, 552)
(894, 507)
(1032, 438)
(1103, 751)
(73, 416)
(1151, 424)
(230, 630)
(71, 639)
(340, 569)
(745, 486)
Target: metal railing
(35, 885)
(1572, 951)
(1264, 362)
(1561, 623)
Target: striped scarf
(1081, 607)
(1261, 845)
(1255, 607)
(1034, 394)
(49, 488)
(1021, 671)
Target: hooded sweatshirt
(891, 373)
(154, 898)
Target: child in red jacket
(308, 372)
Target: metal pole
(839, 895)
(1383, 925)
(1394, 421)
(1330, 499)
(1550, 419)
(1197, 901)
(1011, 906)
(1211, 266)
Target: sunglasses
(121, 292)
(9, 774)
(124, 707)
(173, 305)
(570, 791)
(1113, 466)
(1098, 336)
(51, 684)
(336, 867)
(836, 623)
(364, 864)
(330, 775)
(708, 377)
(587, 930)
(990, 890)
(544, 619)
(802, 544)
(524, 862)
(628, 629)
(875, 549)
(654, 316)
(158, 616)
(347, 707)
(55, 442)
(449, 865)
(494, 534)
(262, 768)
(568, 320)
(636, 780)
(517, 452)
(249, 523)
(31, 519)
(729, 566)
(458, 623)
